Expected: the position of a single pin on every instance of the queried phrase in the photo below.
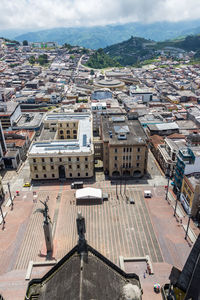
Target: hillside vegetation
(100, 60)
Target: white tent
(89, 193)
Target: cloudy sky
(36, 14)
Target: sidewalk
(182, 217)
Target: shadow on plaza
(130, 180)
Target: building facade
(190, 194)
(69, 154)
(125, 150)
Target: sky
(40, 14)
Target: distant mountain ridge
(103, 36)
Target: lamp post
(166, 195)
(121, 181)
(12, 204)
(3, 219)
(188, 224)
(177, 198)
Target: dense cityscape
(100, 175)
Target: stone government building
(66, 149)
(125, 151)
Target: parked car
(27, 184)
(77, 185)
(131, 200)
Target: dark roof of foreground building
(188, 280)
(84, 274)
(94, 277)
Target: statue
(82, 243)
(46, 226)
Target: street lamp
(3, 219)
(188, 224)
(12, 204)
(177, 198)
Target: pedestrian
(144, 275)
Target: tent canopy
(89, 193)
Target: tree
(25, 43)
(32, 60)
(42, 59)
(92, 72)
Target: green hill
(131, 51)
(100, 60)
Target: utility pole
(12, 204)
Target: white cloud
(63, 13)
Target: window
(124, 149)
(129, 165)
(42, 159)
(35, 168)
(53, 175)
(45, 175)
(115, 165)
(138, 157)
(86, 159)
(86, 174)
(137, 165)
(78, 166)
(51, 159)
(60, 125)
(70, 174)
(44, 168)
(79, 174)
(74, 124)
(130, 149)
(61, 131)
(52, 167)
(34, 160)
(115, 150)
(68, 131)
(86, 166)
(62, 137)
(68, 136)
(129, 156)
(36, 175)
(67, 125)
(60, 159)
(75, 136)
(138, 149)
(123, 157)
(123, 165)
(115, 157)
(77, 159)
(69, 159)
(74, 131)
(70, 166)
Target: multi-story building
(188, 162)
(97, 109)
(67, 150)
(190, 194)
(125, 150)
(10, 112)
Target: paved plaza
(115, 228)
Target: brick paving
(115, 228)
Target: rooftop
(120, 130)
(83, 144)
